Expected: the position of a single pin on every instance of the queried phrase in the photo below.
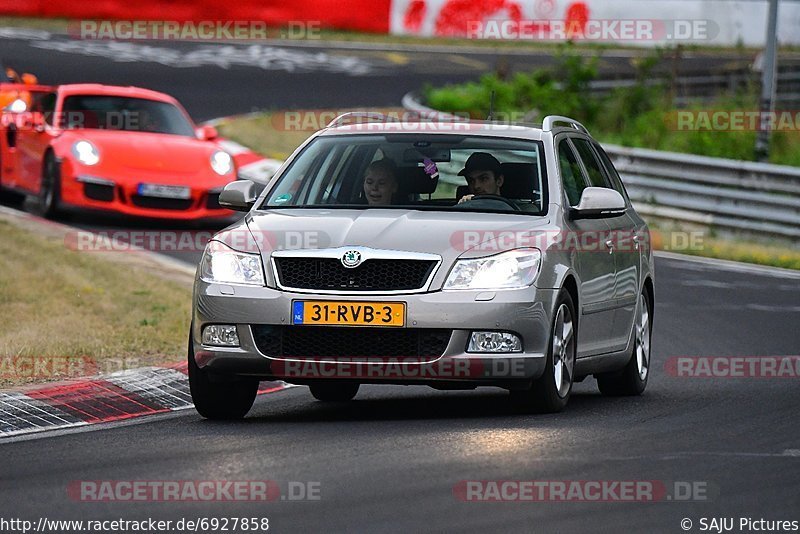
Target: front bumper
(526, 313)
(119, 195)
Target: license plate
(349, 313)
(164, 191)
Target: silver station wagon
(446, 254)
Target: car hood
(149, 151)
(446, 234)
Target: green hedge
(642, 115)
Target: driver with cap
(483, 175)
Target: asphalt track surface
(389, 461)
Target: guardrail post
(768, 75)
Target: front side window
(597, 175)
(415, 171)
(571, 174)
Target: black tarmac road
(390, 460)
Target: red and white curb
(113, 397)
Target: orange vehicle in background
(117, 149)
(14, 91)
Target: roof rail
(369, 115)
(550, 121)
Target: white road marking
(223, 56)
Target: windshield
(123, 113)
(415, 171)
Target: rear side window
(597, 175)
(571, 175)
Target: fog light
(494, 342)
(221, 335)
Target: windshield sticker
(283, 198)
(430, 168)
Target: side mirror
(207, 133)
(598, 202)
(239, 195)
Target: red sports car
(123, 149)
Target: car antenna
(491, 107)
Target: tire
(632, 379)
(46, 202)
(230, 399)
(334, 391)
(550, 392)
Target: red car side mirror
(207, 133)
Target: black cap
(481, 161)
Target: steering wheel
(499, 198)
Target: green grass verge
(77, 307)
(697, 241)
(259, 132)
(748, 252)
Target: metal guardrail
(691, 89)
(741, 196)
(736, 196)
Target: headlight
(222, 264)
(221, 162)
(509, 270)
(17, 106)
(85, 152)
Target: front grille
(372, 275)
(101, 192)
(315, 342)
(158, 203)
